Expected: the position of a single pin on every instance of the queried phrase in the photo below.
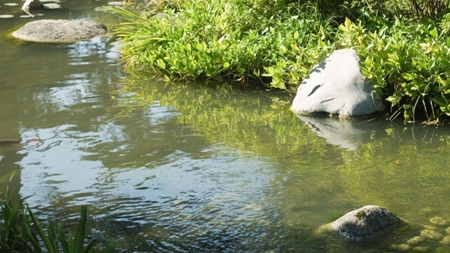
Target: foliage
(415, 9)
(408, 62)
(14, 224)
(226, 40)
(21, 231)
(59, 243)
(403, 44)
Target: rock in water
(59, 30)
(337, 86)
(364, 222)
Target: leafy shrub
(403, 44)
(408, 62)
(225, 39)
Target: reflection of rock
(31, 4)
(59, 31)
(363, 223)
(337, 86)
(349, 134)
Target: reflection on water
(187, 168)
(349, 134)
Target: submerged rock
(337, 86)
(59, 31)
(365, 222)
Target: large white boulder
(337, 86)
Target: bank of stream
(167, 167)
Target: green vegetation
(233, 40)
(21, 231)
(403, 44)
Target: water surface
(202, 168)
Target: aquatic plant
(21, 231)
(14, 223)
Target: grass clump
(21, 231)
(403, 45)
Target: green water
(195, 168)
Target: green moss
(361, 214)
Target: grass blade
(41, 233)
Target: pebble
(52, 6)
(447, 230)
(445, 240)
(115, 3)
(253, 207)
(416, 240)
(421, 249)
(437, 220)
(430, 234)
(401, 247)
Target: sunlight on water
(195, 168)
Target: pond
(169, 167)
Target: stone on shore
(59, 31)
(337, 86)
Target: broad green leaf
(434, 33)
(161, 64)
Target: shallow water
(195, 168)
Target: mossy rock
(59, 30)
(363, 224)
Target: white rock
(337, 86)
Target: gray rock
(364, 223)
(59, 31)
(337, 86)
